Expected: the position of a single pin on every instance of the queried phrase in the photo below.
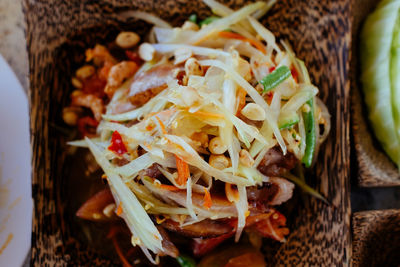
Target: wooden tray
(376, 238)
(374, 166)
(57, 33)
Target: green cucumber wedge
(395, 75)
(377, 60)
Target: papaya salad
(197, 130)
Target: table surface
(13, 49)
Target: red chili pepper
(133, 56)
(270, 95)
(87, 126)
(295, 74)
(117, 145)
(271, 69)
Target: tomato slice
(273, 226)
(203, 246)
(93, 208)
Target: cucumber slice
(395, 75)
(376, 62)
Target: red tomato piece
(274, 226)
(93, 208)
(203, 246)
(117, 145)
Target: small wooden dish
(57, 34)
(374, 167)
(376, 238)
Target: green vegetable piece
(395, 76)
(275, 78)
(193, 18)
(288, 121)
(305, 187)
(185, 261)
(379, 74)
(311, 136)
(208, 20)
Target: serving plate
(57, 34)
(15, 170)
(376, 238)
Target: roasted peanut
(244, 69)
(201, 137)
(188, 25)
(193, 67)
(127, 39)
(253, 112)
(146, 51)
(219, 162)
(109, 210)
(76, 83)
(71, 115)
(245, 158)
(85, 72)
(216, 146)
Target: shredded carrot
(178, 146)
(104, 177)
(161, 125)
(149, 127)
(183, 170)
(100, 52)
(232, 35)
(167, 112)
(121, 255)
(168, 187)
(232, 194)
(208, 114)
(207, 199)
(119, 209)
